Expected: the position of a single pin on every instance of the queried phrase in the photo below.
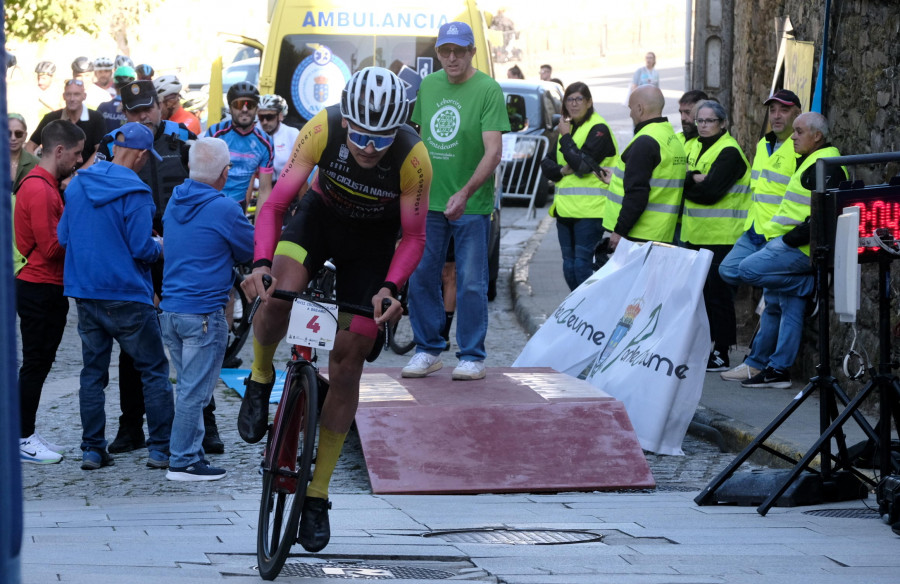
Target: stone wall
(862, 102)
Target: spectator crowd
(123, 203)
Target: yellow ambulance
(315, 46)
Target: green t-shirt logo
(445, 123)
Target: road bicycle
(288, 459)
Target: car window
(549, 107)
(235, 73)
(532, 107)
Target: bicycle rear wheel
(402, 337)
(286, 469)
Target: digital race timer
(879, 208)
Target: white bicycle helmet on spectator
(45, 68)
(375, 100)
(103, 64)
(124, 61)
(273, 102)
(167, 85)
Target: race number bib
(313, 325)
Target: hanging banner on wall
(798, 70)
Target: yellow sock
(261, 370)
(330, 446)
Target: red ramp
(518, 430)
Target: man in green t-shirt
(462, 115)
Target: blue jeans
(426, 306)
(578, 238)
(780, 332)
(196, 345)
(135, 326)
(748, 243)
(778, 267)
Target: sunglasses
(17, 134)
(379, 141)
(78, 82)
(240, 104)
(267, 117)
(458, 52)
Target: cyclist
(374, 177)
(144, 72)
(48, 94)
(102, 89)
(272, 109)
(169, 89)
(251, 151)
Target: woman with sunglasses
(716, 199)
(21, 161)
(373, 180)
(585, 145)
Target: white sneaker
(742, 372)
(421, 365)
(33, 450)
(468, 370)
(50, 445)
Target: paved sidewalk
(137, 529)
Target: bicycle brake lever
(267, 281)
(385, 305)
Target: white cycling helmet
(273, 102)
(123, 61)
(167, 85)
(375, 100)
(103, 64)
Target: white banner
(638, 330)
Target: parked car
(243, 70)
(534, 108)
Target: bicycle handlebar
(318, 296)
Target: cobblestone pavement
(59, 421)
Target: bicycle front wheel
(286, 469)
(239, 328)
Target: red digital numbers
(313, 325)
(875, 214)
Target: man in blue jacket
(106, 229)
(206, 234)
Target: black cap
(784, 96)
(138, 94)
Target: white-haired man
(206, 234)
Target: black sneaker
(253, 419)
(717, 362)
(199, 471)
(127, 440)
(212, 444)
(769, 377)
(315, 531)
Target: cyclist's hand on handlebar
(394, 311)
(253, 284)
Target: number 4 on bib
(312, 324)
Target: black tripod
(837, 480)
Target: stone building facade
(735, 51)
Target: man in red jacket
(40, 302)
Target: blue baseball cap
(136, 136)
(457, 33)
